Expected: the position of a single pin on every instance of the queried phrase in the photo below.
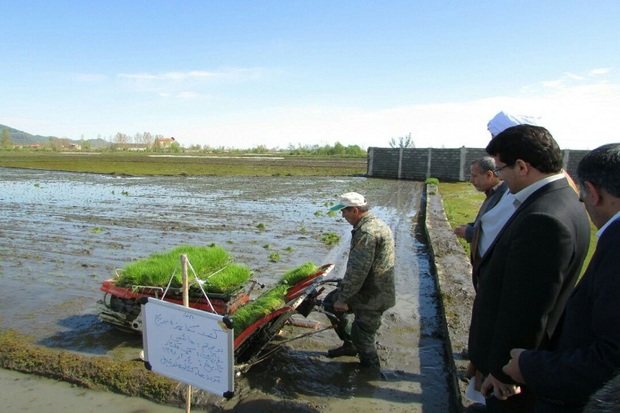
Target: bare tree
(147, 139)
(121, 140)
(137, 138)
(403, 142)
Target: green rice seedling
(157, 269)
(330, 238)
(229, 278)
(265, 304)
(150, 271)
(295, 275)
(274, 257)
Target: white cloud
(580, 115)
(572, 76)
(233, 73)
(601, 71)
(187, 95)
(194, 74)
(175, 83)
(568, 80)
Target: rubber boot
(370, 361)
(347, 349)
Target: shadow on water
(286, 406)
(87, 334)
(290, 374)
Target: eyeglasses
(496, 171)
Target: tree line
(148, 142)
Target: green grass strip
(101, 373)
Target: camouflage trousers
(356, 326)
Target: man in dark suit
(530, 267)
(482, 177)
(584, 352)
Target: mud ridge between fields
(453, 272)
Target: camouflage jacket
(368, 283)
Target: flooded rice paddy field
(63, 234)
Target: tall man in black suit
(584, 352)
(530, 267)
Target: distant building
(135, 147)
(164, 143)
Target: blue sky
(279, 73)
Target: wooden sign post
(188, 397)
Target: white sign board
(189, 345)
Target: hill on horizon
(19, 137)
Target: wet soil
(63, 234)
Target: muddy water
(62, 234)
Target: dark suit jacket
(585, 350)
(526, 276)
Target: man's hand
(460, 231)
(341, 307)
(512, 367)
(471, 370)
(501, 391)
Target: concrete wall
(448, 165)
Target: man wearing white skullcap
(503, 121)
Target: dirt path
(62, 234)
